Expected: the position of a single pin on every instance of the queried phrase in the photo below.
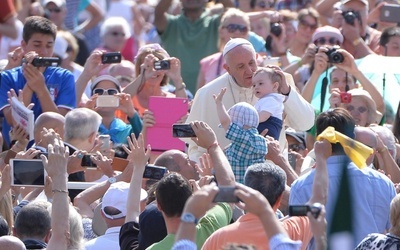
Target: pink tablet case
(167, 111)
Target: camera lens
(336, 57)
(276, 29)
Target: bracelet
(59, 191)
(212, 145)
(357, 41)
(181, 87)
(383, 150)
(299, 63)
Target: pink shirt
(212, 66)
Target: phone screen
(27, 172)
(87, 162)
(226, 194)
(154, 172)
(298, 210)
(182, 130)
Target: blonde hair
(72, 42)
(6, 209)
(395, 215)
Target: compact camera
(162, 65)
(345, 97)
(111, 57)
(334, 56)
(46, 61)
(351, 16)
(302, 210)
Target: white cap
(59, 3)
(60, 47)
(233, 43)
(105, 78)
(243, 114)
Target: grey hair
(112, 22)
(268, 179)
(80, 123)
(387, 137)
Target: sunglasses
(307, 25)
(231, 28)
(55, 10)
(296, 147)
(109, 91)
(115, 33)
(360, 110)
(323, 41)
(264, 4)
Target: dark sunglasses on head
(331, 41)
(306, 24)
(264, 4)
(102, 91)
(359, 109)
(231, 28)
(115, 33)
(296, 147)
(55, 10)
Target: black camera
(301, 210)
(46, 61)
(162, 65)
(334, 56)
(276, 29)
(111, 57)
(351, 16)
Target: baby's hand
(218, 98)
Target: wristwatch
(189, 218)
(112, 180)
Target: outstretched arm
(223, 116)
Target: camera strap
(323, 89)
(347, 83)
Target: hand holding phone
(87, 161)
(226, 194)
(107, 101)
(183, 130)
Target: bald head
(177, 161)
(49, 120)
(11, 243)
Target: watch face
(112, 180)
(188, 218)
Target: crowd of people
(292, 145)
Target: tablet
(27, 173)
(167, 111)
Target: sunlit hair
(395, 215)
(272, 75)
(72, 42)
(113, 22)
(6, 209)
(80, 123)
(160, 54)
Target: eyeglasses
(360, 110)
(102, 91)
(264, 4)
(323, 40)
(308, 25)
(231, 28)
(55, 10)
(115, 33)
(296, 147)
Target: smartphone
(301, 210)
(105, 141)
(27, 173)
(41, 153)
(390, 13)
(46, 61)
(292, 160)
(162, 65)
(154, 172)
(226, 194)
(119, 164)
(111, 57)
(182, 130)
(87, 162)
(107, 101)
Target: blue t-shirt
(60, 84)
